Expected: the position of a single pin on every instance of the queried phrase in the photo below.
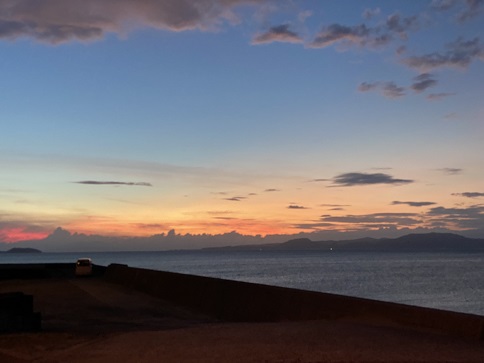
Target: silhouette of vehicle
(83, 267)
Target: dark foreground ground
(92, 320)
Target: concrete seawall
(248, 302)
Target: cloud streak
(356, 179)
(469, 194)
(402, 219)
(439, 96)
(280, 33)
(470, 8)
(422, 82)
(95, 182)
(413, 204)
(363, 36)
(55, 22)
(459, 54)
(387, 89)
(451, 171)
(294, 206)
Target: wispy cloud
(413, 204)
(280, 33)
(357, 35)
(422, 82)
(53, 21)
(402, 219)
(469, 8)
(471, 218)
(364, 36)
(368, 14)
(355, 179)
(450, 171)
(400, 25)
(459, 54)
(235, 199)
(387, 89)
(96, 182)
(271, 190)
(439, 96)
(469, 194)
(295, 206)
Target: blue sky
(133, 118)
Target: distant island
(23, 250)
(425, 242)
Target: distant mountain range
(426, 242)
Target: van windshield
(83, 263)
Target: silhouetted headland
(424, 242)
(22, 250)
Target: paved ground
(90, 320)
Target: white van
(83, 267)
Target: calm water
(439, 280)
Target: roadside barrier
(249, 302)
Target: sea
(444, 280)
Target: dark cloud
(388, 89)
(314, 225)
(95, 182)
(469, 194)
(473, 9)
(466, 218)
(280, 33)
(469, 8)
(364, 36)
(365, 86)
(422, 82)
(55, 21)
(272, 190)
(353, 179)
(451, 171)
(396, 24)
(471, 218)
(459, 54)
(438, 96)
(413, 204)
(471, 211)
(391, 90)
(235, 199)
(151, 226)
(402, 219)
(357, 35)
(294, 206)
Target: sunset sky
(136, 117)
